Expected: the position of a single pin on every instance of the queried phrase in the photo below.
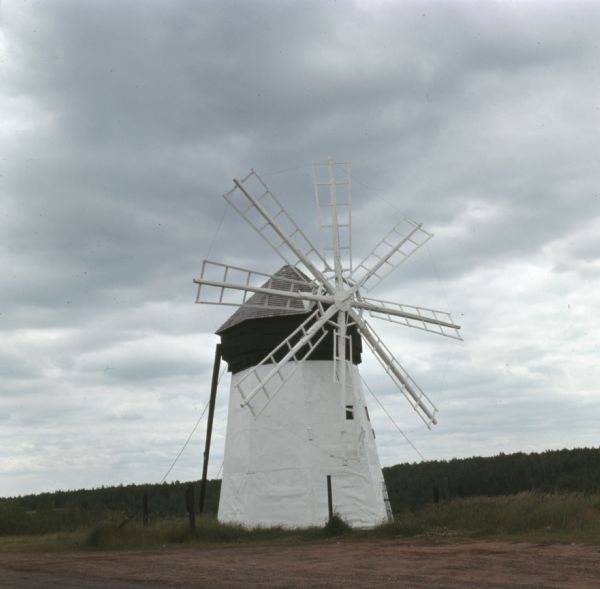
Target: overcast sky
(123, 122)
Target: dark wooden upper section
(247, 343)
(257, 328)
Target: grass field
(529, 517)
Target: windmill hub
(343, 300)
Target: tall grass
(572, 517)
(527, 516)
(208, 531)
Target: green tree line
(410, 486)
(67, 510)
(554, 471)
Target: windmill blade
(397, 246)
(430, 320)
(222, 284)
(334, 206)
(257, 389)
(417, 399)
(342, 348)
(269, 219)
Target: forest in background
(410, 487)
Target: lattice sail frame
(333, 193)
(333, 293)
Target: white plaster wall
(275, 465)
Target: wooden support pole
(209, 424)
(329, 498)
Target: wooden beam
(209, 424)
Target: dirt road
(380, 564)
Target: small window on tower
(349, 411)
(367, 413)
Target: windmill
(297, 413)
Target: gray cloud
(123, 124)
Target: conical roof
(287, 278)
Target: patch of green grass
(165, 533)
(538, 517)
(51, 542)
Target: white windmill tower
(297, 413)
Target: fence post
(189, 503)
(329, 498)
(145, 511)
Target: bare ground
(380, 564)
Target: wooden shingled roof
(288, 278)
